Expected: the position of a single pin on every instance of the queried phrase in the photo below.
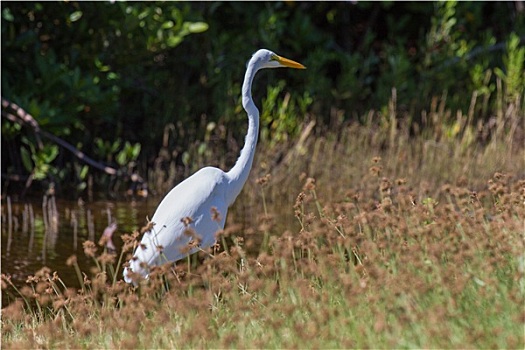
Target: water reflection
(46, 233)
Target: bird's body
(206, 186)
(195, 210)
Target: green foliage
(67, 70)
(113, 152)
(10, 129)
(164, 26)
(38, 161)
(106, 149)
(279, 116)
(514, 74)
(124, 70)
(128, 154)
(82, 172)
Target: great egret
(191, 213)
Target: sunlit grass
(362, 238)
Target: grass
(364, 238)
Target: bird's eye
(274, 58)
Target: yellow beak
(289, 63)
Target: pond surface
(47, 232)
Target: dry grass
(366, 238)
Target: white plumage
(191, 204)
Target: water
(47, 232)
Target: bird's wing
(193, 198)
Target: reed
(9, 225)
(372, 238)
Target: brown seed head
(299, 200)
(32, 279)
(43, 273)
(89, 248)
(263, 180)
(186, 221)
(400, 182)
(215, 215)
(72, 260)
(375, 170)
(149, 226)
(309, 185)
(107, 258)
(385, 185)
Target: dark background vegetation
(153, 89)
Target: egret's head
(267, 59)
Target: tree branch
(21, 117)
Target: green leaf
(198, 27)
(75, 16)
(167, 25)
(99, 143)
(51, 153)
(101, 67)
(40, 173)
(115, 146)
(26, 159)
(500, 73)
(135, 151)
(143, 14)
(83, 172)
(201, 149)
(112, 76)
(174, 41)
(26, 141)
(186, 158)
(7, 15)
(121, 158)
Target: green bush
(125, 71)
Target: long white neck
(238, 175)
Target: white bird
(192, 206)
